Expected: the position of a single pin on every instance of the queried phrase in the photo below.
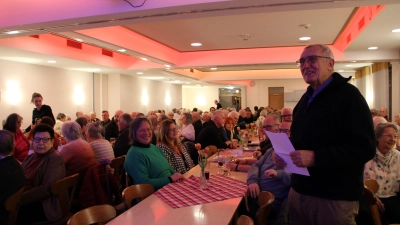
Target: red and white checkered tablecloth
(188, 192)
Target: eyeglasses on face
(269, 127)
(45, 139)
(310, 59)
(173, 129)
(286, 131)
(285, 115)
(390, 136)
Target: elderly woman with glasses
(77, 153)
(146, 163)
(42, 168)
(21, 144)
(187, 132)
(385, 169)
(174, 151)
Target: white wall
(99, 91)
(56, 86)
(133, 91)
(258, 94)
(199, 97)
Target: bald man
(111, 130)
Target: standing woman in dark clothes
(40, 110)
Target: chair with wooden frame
(65, 190)
(370, 197)
(141, 191)
(265, 200)
(245, 220)
(11, 205)
(95, 214)
(119, 173)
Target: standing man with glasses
(334, 153)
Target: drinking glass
(226, 168)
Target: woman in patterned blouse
(385, 169)
(174, 151)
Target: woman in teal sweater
(145, 162)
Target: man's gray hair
(326, 51)
(126, 117)
(216, 113)
(233, 113)
(188, 117)
(71, 130)
(382, 126)
(275, 116)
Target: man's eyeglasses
(286, 115)
(269, 127)
(286, 131)
(391, 136)
(310, 59)
(45, 140)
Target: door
(276, 97)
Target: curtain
(380, 80)
(374, 86)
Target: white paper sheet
(282, 147)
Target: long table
(152, 210)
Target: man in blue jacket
(335, 152)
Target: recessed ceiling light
(348, 65)
(353, 61)
(167, 65)
(144, 59)
(213, 68)
(12, 32)
(396, 30)
(304, 38)
(237, 91)
(195, 44)
(77, 39)
(139, 73)
(340, 70)
(372, 48)
(51, 61)
(121, 50)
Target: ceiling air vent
(361, 24)
(107, 52)
(35, 36)
(74, 44)
(348, 39)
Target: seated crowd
(159, 148)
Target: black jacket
(337, 126)
(122, 145)
(198, 126)
(44, 111)
(211, 135)
(111, 130)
